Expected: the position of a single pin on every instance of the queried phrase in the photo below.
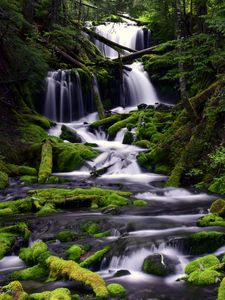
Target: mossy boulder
(116, 290)
(132, 119)
(45, 168)
(217, 206)
(206, 277)
(158, 264)
(91, 227)
(221, 291)
(205, 242)
(106, 122)
(69, 157)
(201, 263)
(57, 294)
(211, 220)
(36, 272)
(13, 291)
(74, 252)
(66, 236)
(31, 254)
(70, 135)
(29, 179)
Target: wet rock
(128, 138)
(162, 106)
(159, 264)
(142, 106)
(70, 135)
(121, 273)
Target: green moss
(6, 241)
(69, 135)
(211, 220)
(25, 170)
(206, 277)
(113, 129)
(32, 132)
(36, 272)
(17, 206)
(31, 254)
(128, 138)
(221, 291)
(6, 211)
(102, 234)
(95, 258)
(57, 294)
(47, 209)
(3, 180)
(75, 252)
(29, 179)
(106, 122)
(45, 169)
(91, 227)
(69, 157)
(116, 290)
(201, 263)
(13, 291)
(65, 236)
(145, 144)
(39, 120)
(205, 242)
(217, 206)
(140, 202)
(62, 268)
(162, 169)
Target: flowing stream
(135, 232)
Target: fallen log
(137, 54)
(69, 58)
(45, 169)
(105, 40)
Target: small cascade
(125, 34)
(63, 97)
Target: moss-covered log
(45, 169)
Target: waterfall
(63, 96)
(137, 87)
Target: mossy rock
(211, 220)
(70, 135)
(66, 236)
(57, 294)
(95, 258)
(74, 252)
(31, 254)
(31, 133)
(36, 272)
(29, 179)
(116, 290)
(69, 157)
(91, 227)
(205, 242)
(106, 122)
(39, 120)
(221, 291)
(113, 129)
(158, 264)
(13, 291)
(201, 264)
(102, 234)
(47, 209)
(204, 278)
(140, 203)
(26, 170)
(217, 206)
(6, 241)
(3, 180)
(145, 144)
(128, 138)
(162, 169)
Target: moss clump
(17, 206)
(13, 291)
(113, 129)
(31, 133)
(29, 179)
(106, 122)
(31, 254)
(201, 264)
(62, 268)
(206, 277)
(74, 252)
(45, 169)
(205, 242)
(39, 120)
(57, 294)
(36, 272)
(69, 157)
(6, 241)
(102, 234)
(116, 290)
(145, 144)
(128, 138)
(211, 220)
(69, 135)
(66, 236)
(3, 180)
(47, 209)
(221, 291)
(91, 227)
(217, 206)
(95, 258)
(140, 202)
(25, 170)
